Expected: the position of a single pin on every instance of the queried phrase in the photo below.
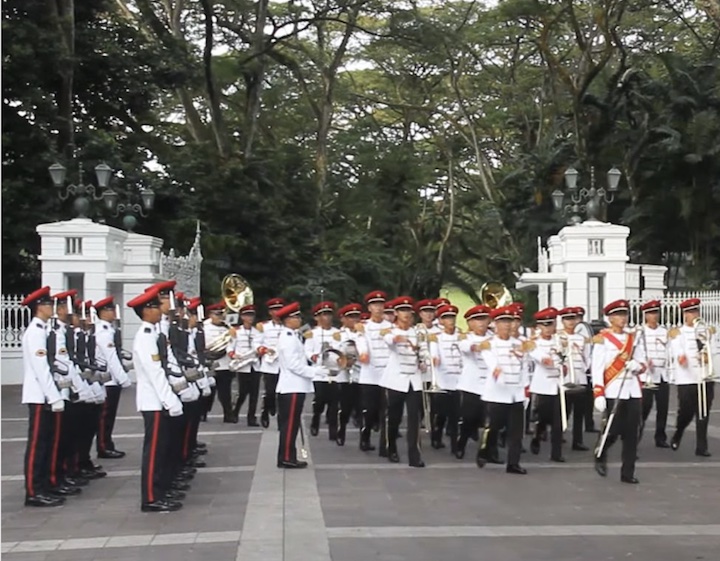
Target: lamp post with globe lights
(588, 200)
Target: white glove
(98, 392)
(58, 406)
(211, 382)
(127, 383)
(176, 411)
(633, 366)
(600, 403)
(202, 383)
(85, 393)
(191, 393)
(128, 365)
(323, 371)
(206, 392)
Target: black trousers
(471, 417)
(371, 402)
(688, 408)
(57, 473)
(327, 395)
(107, 419)
(192, 412)
(508, 416)
(445, 410)
(154, 476)
(349, 395)
(661, 398)
(208, 401)
(269, 398)
(396, 402)
(38, 451)
(548, 413)
(71, 436)
(91, 421)
(625, 425)
(589, 399)
(290, 406)
(223, 381)
(577, 405)
(248, 387)
(175, 435)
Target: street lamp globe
(613, 178)
(557, 198)
(103, 173)
(148, 199)
(57, 174)
(571, 177)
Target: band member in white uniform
(373, 357)
(579, 348)
(473, 376)
(294, 382)
(269, 366)
(215, 327)
(585, 329)
(656, 348)
(617, 363)
(689, 371)
(247, 342)
(348, 379)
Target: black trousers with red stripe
(57, 473)
(154, 473)
(192, 412)
(290, 406)
(107, 419)
(70, 437)
(38, 451)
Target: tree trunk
(254, 77)
(63, 16)
(217, 119)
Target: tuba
(236, 293)
(495, 294)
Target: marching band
(378, 367)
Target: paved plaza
(354, 506)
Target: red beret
(216, 307)
(64, 295)
(376, 296)
(163, 287)
(477, 312)
(193, 304)
(180, 296)
(249, 309)
(148, 299)
(292, 309)
(364, 316)
(403, 303)
(651, 306)
(567, 312)
(390, 305)
(546, 315)
(441, 302)
(446, 310)
(88, 304)
(77, 304)
(427, 304)
(616, 306)
(516, 309)
(502, 313)
(40, 296)
(322, 307)
(350, 309)
(580, 311)
(690, 304)
(108, 303)
(275, 303)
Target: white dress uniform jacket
(212, 332)
(203, 383)
(344, 337)
(545, 379)
(62, 355)
(315, 340)
(656, 341)
(269, 336)
(683, 342)
(296, 375)
(473, 376)
(434, 329)
(105, 349)
(246, 340)
(445, 348)
(605, 350)
(38, 383)
(153, 389)
(402, 372)
(581, 348)
(371, 343)
(509, 386)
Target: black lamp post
(147, 197)
(585, 200)
(84, 192)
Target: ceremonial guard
(448, 365)
(585, 330)
(349, 377)
(215, 328)
(577, 349)
(192, 449)
(547, 384)
(402, 380)
(373, 356)
(617, 363)
(656, 388)
(43, 398)
(243, 354)
(269, 366)
(317, 342)
(108, 351)
(689, 347)
(506, 392)
(295, 380)
(473, 376)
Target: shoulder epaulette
(598, 339)
(674, 332)
(432, 338)
(485, 345)
(288, 333)
(40, 325)
(587, 340)
(337, 336)
(528, 346)
(259, 326)
(713, 330)
(147, 330)
(462, 336)
(359, 328)
(385, 331)
(308, 334)
(105, 326)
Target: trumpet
(648, 384)
(238, 362)
(703, 336)
(567, 358)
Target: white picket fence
(670, 314)
(14, 318)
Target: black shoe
(200, 445)
(204, 417)
(314, 430)
(184, 477)
(175, 495)
(366, 446)
(437, 444)
(535, 446)
(264, 419)
(632, 480)
(179, 486)
(460, 453)
(418, 464)
(77, 481)
(65, 490)
(200, 451)
(229, 419)
(495, 460)
(661, 444)
(197, 463)
(558, 459)
(394, 458)
(161, 506)
(480, 460)
(340, 440)
(516, 469)
(93, 473)
(253, 422)
(703, 453)
(580, 447)
(601, 468)
(292, 465)
(111, 454)
(44, 500)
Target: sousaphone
(236, 293)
